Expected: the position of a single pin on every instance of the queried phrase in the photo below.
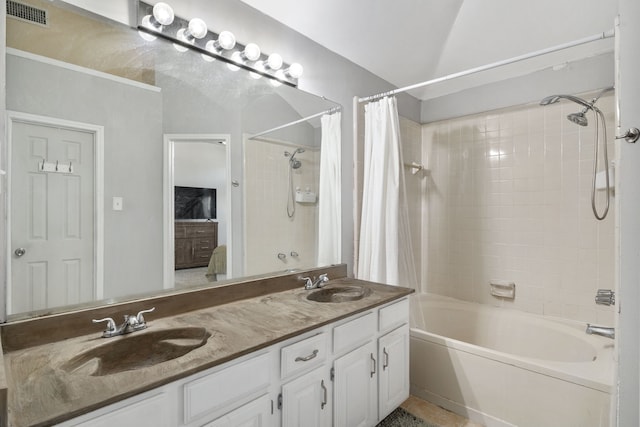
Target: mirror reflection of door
(53, 206)
(200, 214)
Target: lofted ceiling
(410, 41)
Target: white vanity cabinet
(393, 352)
(356, 388)
(306, 400)
(351, 373)
(372, 380)
(393, 357)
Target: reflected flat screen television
(194, 203)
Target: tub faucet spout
(601, 330)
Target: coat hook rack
(56, 167)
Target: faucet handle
(140, 317)
(323, 277)
(111, 324)
(308, 283)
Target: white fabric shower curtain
(385, 249)
(329, 204)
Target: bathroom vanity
(278, 358)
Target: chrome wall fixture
(159, 20)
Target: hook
(56, 166)
(42, 165)
(631, 135)
(70, 166)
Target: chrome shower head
(293, 162)
(578, 118)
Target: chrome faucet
(601, 330)
(315, 283)
(130, 324)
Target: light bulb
(255, 76)
(146, 36)
(275, 83)
(163, 13)
(274, 61)
(235, 57)
(226, 40)
(251, 52)
(197, 28)
(180, 48)
(207, 57)
(295, 70)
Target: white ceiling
(410, 41)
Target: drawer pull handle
(385, 363)
(324, 395)
(373, 366)
(307, 358)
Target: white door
(52, 217)
(393, 356)
(305, 400)
(356, 388)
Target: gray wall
(132, 120)
(578, 77)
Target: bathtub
(502, 367)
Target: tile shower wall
(508, 198)
(266, 188)
(411, 137)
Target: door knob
(20, 251)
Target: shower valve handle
(631, 135)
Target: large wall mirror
(138, 169)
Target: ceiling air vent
(27, 13)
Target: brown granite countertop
(41, 392)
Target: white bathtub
(502, 367)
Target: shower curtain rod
(304, 119)
(595, 37)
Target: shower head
(579, 118)
(293, 162)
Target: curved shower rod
(595, 37)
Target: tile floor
(435, 415)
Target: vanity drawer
(394, 315)
(233, 385)
(354, 333)
(305, 354)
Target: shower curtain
(385, 249)
(329, 205)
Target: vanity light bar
(259, 64)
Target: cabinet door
(152, 411)
(306, 400)
(356, 388)
(183, 253)
(253, 414)
(393, 356)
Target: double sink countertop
(43, 389)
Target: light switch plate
(117, 203)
